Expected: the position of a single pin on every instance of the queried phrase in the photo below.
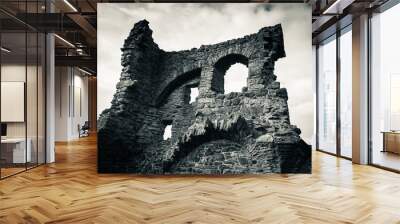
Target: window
(327, 95)
(335, 94)
(385, 89)
(230, 74)
(236, 78)
(194, 93)
(167, 132)
(394, 101)
(346, 93)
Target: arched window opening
(230, 74)
(194, 93)
(235, 78)
(180, 80)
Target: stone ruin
(239, 132)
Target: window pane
(385, 88)
(327, 96)
(345, 94)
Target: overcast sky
(184, 26)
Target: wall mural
(234, 133)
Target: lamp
(337, 7)
(70, 5)
(64, 40)
(5, 50)
(84, 71)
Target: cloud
(180, 26)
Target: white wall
(61, 103)
(12, 73)
(80, 109)
(71, 102)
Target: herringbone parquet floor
(71, 191)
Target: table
(391, 141)
(13, 150)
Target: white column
(314, 86)
(360, 89)
(50, 99)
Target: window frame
(333, 37)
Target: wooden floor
(71, 191)
(5, 172)
(387, 159)
(9, 171)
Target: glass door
(22, 78)
(14, 155)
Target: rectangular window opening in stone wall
(235, 78)
(167, 133)
(194, 93)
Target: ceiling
(75, 22)
(332, 15)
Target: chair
(84, 130)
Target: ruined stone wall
(247, 132)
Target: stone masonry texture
(235, 133)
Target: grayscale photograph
(204, 97)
